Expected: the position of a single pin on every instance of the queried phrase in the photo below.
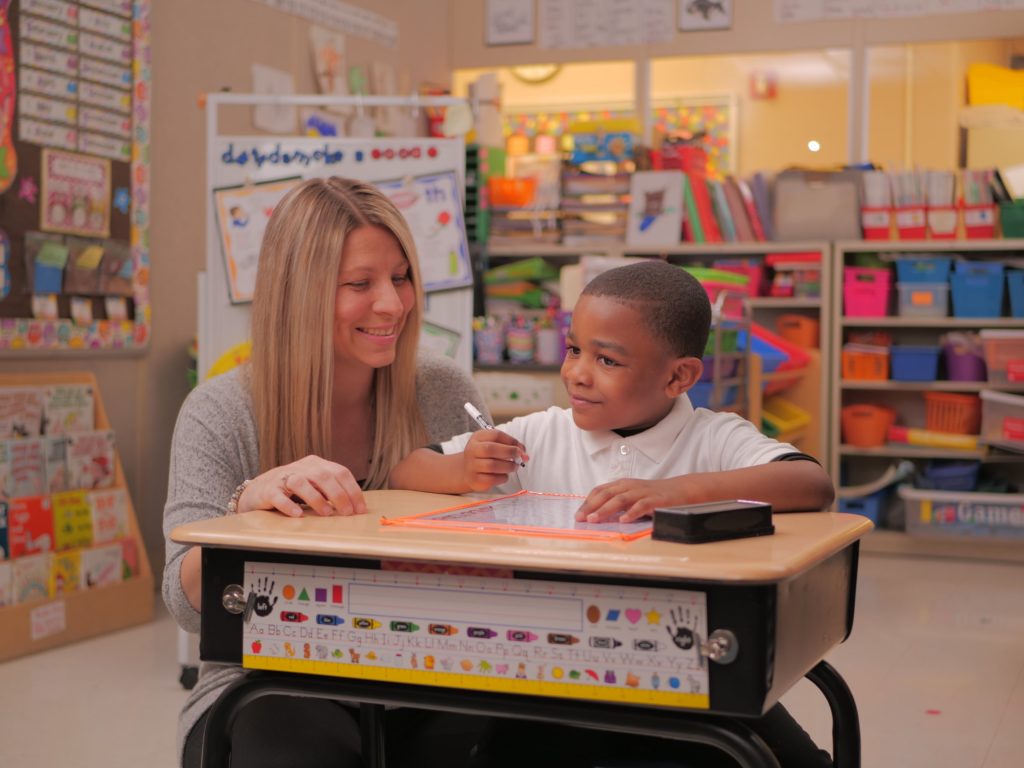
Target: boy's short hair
(673, 304)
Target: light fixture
(813, 145)
(534, 74)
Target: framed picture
(508, 22)
(242, 216)
(700, 15)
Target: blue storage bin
(910, 363)
(871, 506)
(977, 294)
(950, 475)
(923, 269)
(964, 267)
(771, 356)
(700, 394)
(1015, 285)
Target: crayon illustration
(293, 616)
(404, 626)
(481, 632)
(558, 638)
(520, 636)
(442, 629)
(361, 623)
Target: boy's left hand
(632, 498)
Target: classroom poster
(330, 66)
(242, 216)
(75, 194)
(655, 208)
(432, 207)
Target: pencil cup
(942, 222)
(910, 222)
(876, 223)
(490, 345)
(520, 343)
(549, 346)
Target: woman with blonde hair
(334, 395)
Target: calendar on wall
(74, 175)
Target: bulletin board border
(34, 337)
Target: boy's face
(617, 373)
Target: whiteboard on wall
(239, 160)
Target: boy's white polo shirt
(566, 459)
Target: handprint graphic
(264, 605)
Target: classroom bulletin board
(74, 175)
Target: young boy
(631, 440)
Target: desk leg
(730, 735)
(845, 721)
(371, 726)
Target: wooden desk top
(801, 540)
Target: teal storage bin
(1015, 286)
(977, 293)
(924, 269)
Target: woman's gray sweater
(215, 448)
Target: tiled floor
(936, 662)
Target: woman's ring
(284, 485)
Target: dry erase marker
(478, 417)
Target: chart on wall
(74, 174)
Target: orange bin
(865, 362)
(951, 412)
(865, 426)
(799, 329)
(508, 192)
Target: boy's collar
(654, 442)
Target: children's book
(66, 572)
(5, 548)
(526, 513)
(129, 558)
(6, 583)
(723, 215)
(101, 565)
(748, 203)
(21, 412)
(762, 202)
(740, 218)
(31, 577)
(109, 510)
(655, 208)
(27, 473)
(68, 408)
(691, 221)
(30, 525)
(56, 469)
(72, 520)
(91, 459)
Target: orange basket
(950, 412)
(801, 330)
(507, 192)
(865, 362)
(865, 426)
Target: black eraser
(714, 521)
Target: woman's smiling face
(373, 299)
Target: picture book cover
(91, 459)
(109, 514)
(5, 470)
(27, 468)
(30, 579)
(101, 565)
(66, 572)
(68, 408)
(72, 520)
(21, 412)
(30, 525)
(56, 463)
(6, 583)
(526, 513)
(5, 549)
(655, 208)
(129, 558)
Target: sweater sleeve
(442, 390)
(213, 449)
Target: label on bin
(1013, 428)
(1015, 370)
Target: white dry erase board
(237, 161)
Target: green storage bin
(1011, 215)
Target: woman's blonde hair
(292, 364)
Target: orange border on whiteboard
(428, 520)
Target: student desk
(636, 636)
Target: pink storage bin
(866, 299)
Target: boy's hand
(632, 498)
(489, 457)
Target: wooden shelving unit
(85, 612)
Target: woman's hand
(327, 488)
(489, 457)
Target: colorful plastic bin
(866, 291)
(865, 362)
(923, 269)
(913, 363)
(1004, 355)
(1015, 287)
(865, 425)
(955, 513)
(923, 299)
(871, 506)
(1002, 418)
(977, 288)
(952, 412)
